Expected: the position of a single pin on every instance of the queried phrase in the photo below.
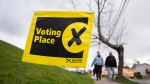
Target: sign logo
(59, 38)
(74, 37)
(68, 60)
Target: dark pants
(98, 71)
(94, 72)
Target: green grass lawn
(12, 69)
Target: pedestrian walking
(98, 64)
(111, 65)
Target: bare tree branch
(95, 36)
(120, 33)
(104, 40)
(95, 44)
(62, 5)
(103, 6)
(89, 5)
(74, 4)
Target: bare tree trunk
(121, 59)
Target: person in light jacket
(98, 64)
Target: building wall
(142, 69)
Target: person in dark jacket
(111, 64)
(98, 64)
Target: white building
(144, 69)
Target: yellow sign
(60, 38)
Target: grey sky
(138, 18)
(16, 16)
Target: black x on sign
(76, 36)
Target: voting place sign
(60, 38)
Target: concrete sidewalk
(103, 81)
